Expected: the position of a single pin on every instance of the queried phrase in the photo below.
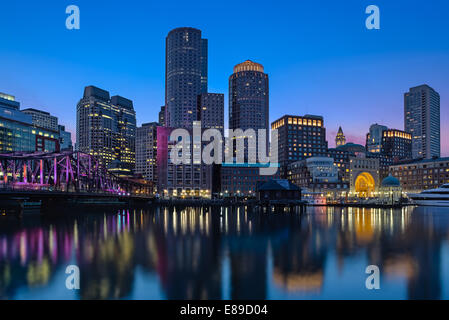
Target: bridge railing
(65, 172)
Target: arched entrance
(365, 184)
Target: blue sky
(320, 57)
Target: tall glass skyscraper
(422, 121)
(185, 75)
(106, 129)
(248, 98)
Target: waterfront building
(195, 179)
(364, 176)
(397, 144)
(317, 174)
(278, 189)
(19, 134)
(106, 129)
(418, 175)
(299, 137)
(340, 139)
(185, 76)
(42, 119)
(374, 138)
(390, 190)
(249, 101)
(342, 162)
(422, 121)
(385, 161)
(241, 180)
(146, 151)
(65, 138)
(162, 117)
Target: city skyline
(382, 64)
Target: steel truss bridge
(65, 173)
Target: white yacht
(433, 197)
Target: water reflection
(228, 253)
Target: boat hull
(432, 203)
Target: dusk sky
(319, 55)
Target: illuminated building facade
(181, 180)
(42, 119)
(419, 175)
(317, 174)
(242, 180)
(422, 121)
(341, 161)
(340, 139)
(397, 144)
(299, 138)
(364, 176)
(106, 129)
(146, 151)
(185, 76)
(19, 134)
(374, 138)
(249, 100)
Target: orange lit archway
(365, 184)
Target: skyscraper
(340, 139)
(374, 138)
(162, 116)
(422, 121)
(146, 151)
(249, 98)
(185, 75)
(211, 111)
(106, 129)
(299, 138)
(397, 144)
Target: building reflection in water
(190, 249)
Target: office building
(422, 121)
(146, 151)
(65, 138)
(8, 101)
(374, 138)
(185, 76)
(418, 175)
(162, 116)
(317, 174)
(42, 119)
(211, 111)
(300, 138)
(249, 101)
(19, 134)
(192, 180)
(242, 181)
(397, 144)
(106, 129)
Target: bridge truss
(70, 171)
